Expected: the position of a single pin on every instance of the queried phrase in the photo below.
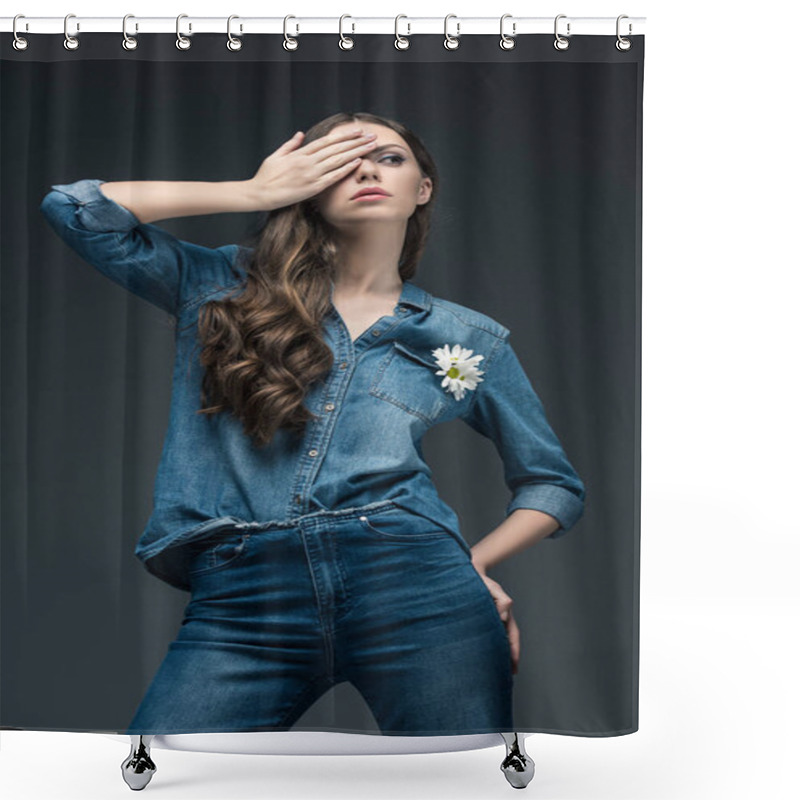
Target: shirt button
(298, 499)
(363, 519)
(329, 406)
(313, 452)
(376, 333)
(343, 365)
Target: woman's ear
(425, 190)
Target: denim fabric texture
(380, 598)
(373, 408)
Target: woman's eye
(400, 159)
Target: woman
(292, 500)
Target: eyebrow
(386, 146)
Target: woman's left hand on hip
(504, 603)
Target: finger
(504, 603)
(514, 641)
(500, 598)
(338, 173)
(340, 139)
(291, 144)
(336, 155)
(329, 178)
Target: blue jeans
(373, 595)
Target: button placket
(380, 327)
(321, 433)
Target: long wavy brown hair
(263, 345)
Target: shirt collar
(416, 296)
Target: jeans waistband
(319, 517)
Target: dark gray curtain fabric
(538, 225)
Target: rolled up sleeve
(141, 257)
(506, 409)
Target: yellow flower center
(453, 372)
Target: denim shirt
(375, 405)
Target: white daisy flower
(459, 367)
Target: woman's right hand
(295, 172)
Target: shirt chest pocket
(407, 379)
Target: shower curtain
(537, 226)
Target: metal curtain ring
(129, 42)
(560, 42)
(182, 43)
(288, 42)
(400, 42)
(71, 42)
(20, 42)
(507, 42)
(623, 44)
(451, 42)
(233, 43)
(345, 42)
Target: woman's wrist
(255, 197)
(479, 565)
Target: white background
(719, 600)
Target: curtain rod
(298, 25)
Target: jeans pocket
(216, 552)
(398, 525)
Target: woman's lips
(376, 196)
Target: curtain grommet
(290, 43)
(345, 42)
(561, 42)
(622, 44)
(129, 42)
(20, 42)
(451, 42)
(182, 42)
(71, 42)
(507, 42)
(401, 42)
(234, 44)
